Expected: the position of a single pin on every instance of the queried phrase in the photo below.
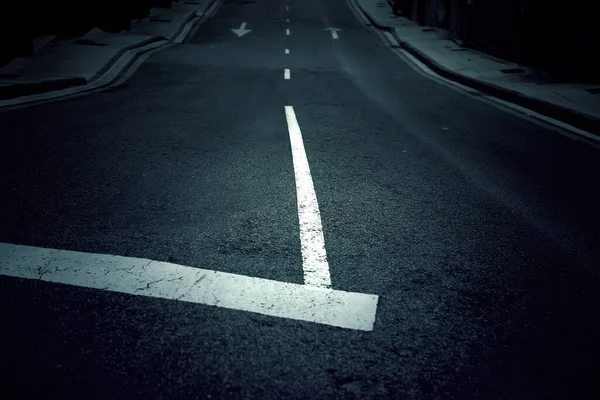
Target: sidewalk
(62, 64)
(575, 104)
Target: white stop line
(143, 277)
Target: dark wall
(494, 27)
(576, 40)
(458, 20)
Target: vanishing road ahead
(375, 233)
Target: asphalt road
(477, 228)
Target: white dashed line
(143, 277)
(287, 51)
(286, 73)
(312, 241)
(287, 32)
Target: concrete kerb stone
(187, 20)
(120, 54)
(21, 89)
(371, 19)
(589, 123)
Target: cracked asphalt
(477, 228)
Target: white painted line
(287, 32)
(287, 20)
(287, 8)
(286, 73)
(287, 51)
(314, 256)
(334, 32)
(145, 277)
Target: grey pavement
(577, 104)
(476, 227)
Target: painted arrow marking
(241, 31)
(333, 32)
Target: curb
(12, 91)
(120, 54)
(188, 19)
(575, 118)
(15, 90)
(371, 19)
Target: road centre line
(312, 241)
(287, 51)
(286, 74)
(287, 32)
(143, 277)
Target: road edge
(577, 119)
(20, 93)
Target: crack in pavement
(150, 283)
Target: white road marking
(287, 32)
(314, 256)
(241, 31)
(145, 277)
(286, 73)
(287, 20)
(287, 51)
(333, 32)
(287, 8)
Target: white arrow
(242, 30)
(333, 32)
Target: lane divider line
(287, 32)
(287, 51)
(312, 241)
(286, 73)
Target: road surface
(475, 228)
